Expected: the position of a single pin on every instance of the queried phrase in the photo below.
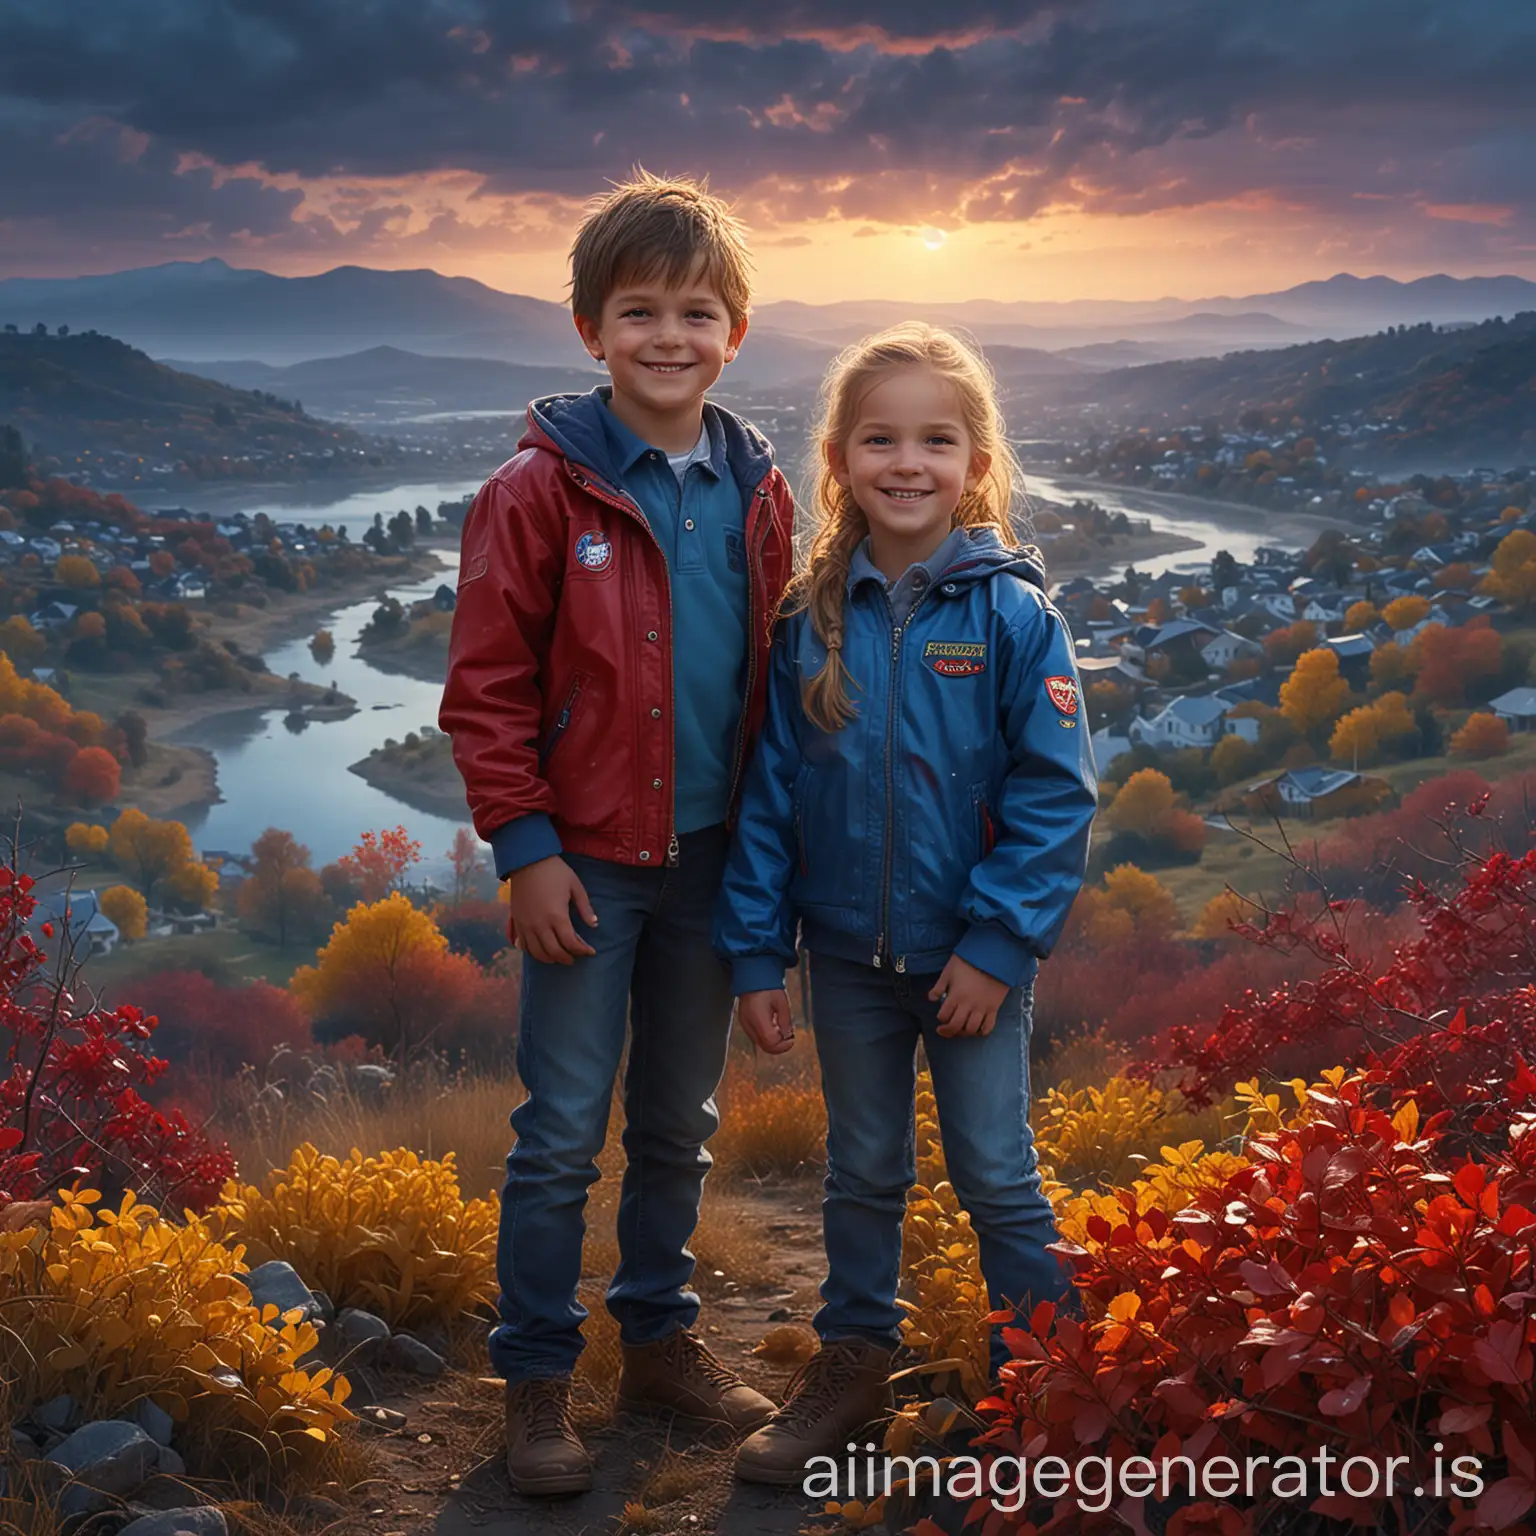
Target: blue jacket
(950, 816)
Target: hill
(90, 397)
(208, 310)
(386, 384)
(1469, 392)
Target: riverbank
(422, 776)
(1294, 529)
(1126, 549)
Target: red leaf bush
(72, 1106)
(1354, 1285)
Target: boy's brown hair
(659, 226)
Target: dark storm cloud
(889, 111)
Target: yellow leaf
(1406, 1121)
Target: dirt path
(441, 1473)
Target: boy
(606, 675)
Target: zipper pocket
(562, 721)
(986, 833)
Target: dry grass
(432, 1113)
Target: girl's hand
(970, 999)
(765, 1017)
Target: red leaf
(1505, 1502)
(1345, 1399)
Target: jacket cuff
(1003, 955)
(756, 973)
(523, 842)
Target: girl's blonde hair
(822, 574)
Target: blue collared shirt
(906, 589)
(700, 526)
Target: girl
(919, 806)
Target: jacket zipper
(897, 632)
(562, 722)
(632, 509)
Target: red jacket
(562, 636)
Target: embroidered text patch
(956, 658)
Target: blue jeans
(868, 1024)
(655, 961)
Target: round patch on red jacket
(1062, 692)
(594, 551)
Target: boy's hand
(542, 895)
(970, 997)
(765, 1017)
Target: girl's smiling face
(908, 462)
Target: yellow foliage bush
(1089, 1136)
(941, 1266)
(116, 1306)
(1098, 1135)
(390, 1234)
(778, 1129)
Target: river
(270, 776)
(1218, 525)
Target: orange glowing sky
(1043, 149)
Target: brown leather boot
(678, 1375)
(836, 1392)
(544, 1453)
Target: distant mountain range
(206, 311)
(385, 385)
(1465, 394)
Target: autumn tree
(124, 906)
(378, 862)
(1406, 612)
(20, 641)
(1484, 735)
(1130, 903)
(135, 736)
(1448, 664)
(282, 897)
(1234, 759)
(1360, 616)
(191, 886)
(1219, 913)
(1513, 576)
(465, 858)
(1284, 646)
(1314, 694)
(388, 975)
(1363, 734)
(152, 851)
(92, 777)
(77, 573)
(1390, 666)
(322, 645)
(216, 1028)
(1146, 808)
(85, 840)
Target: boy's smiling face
(664, 347)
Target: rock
(380, 1417)
(407, 1353)
(192, 1520)
(327, 1308)
(369, 1081)
(434, 1336)
(59, 1414)
(278, 1283)
(781, 1315)
(171, 1463)
(23, 1446)
(163, 1491)
(154, 1421)
(107, 1459)
(360, 1333)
